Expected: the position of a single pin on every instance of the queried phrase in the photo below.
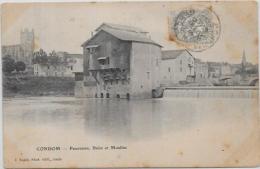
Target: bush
(20, 66)
(8, 64)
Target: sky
(65, 26)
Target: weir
(214, 92)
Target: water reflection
(122, 118)
(135, 118)
(116, 118)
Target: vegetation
(20, 66)
(37, 86)
(41, 57)
(9, 65)
(252, 70)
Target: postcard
(130, 84)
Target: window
(91, 50)
(71, 68)
(169, 69)
(148, 75)
(108, 61)
(107, 95)
(102, 63)
(127, 95)
(157, 61)
(102, 60)
(79, 77)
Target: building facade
(214, 69)
(226, 69)
(71, 64)
(15, 51)
(176, 66)
(123, 61)
(23, 51)
(201, 70)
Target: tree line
(41, 57)
(9, 65)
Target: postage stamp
(196, 29)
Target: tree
(20, 66)
(53, 58)
(8, 64)
(40, 57)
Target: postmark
(195, 29)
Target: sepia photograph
(130, 84)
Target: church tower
(243, 63)
(243, 66)
(27, 45)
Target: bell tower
(27, 45)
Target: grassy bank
(37, 86)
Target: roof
(69, 55)
(173, 54)
(102, 58)
(123, 33)
(121, 27)
(92, 46)
(80, 56)
(8, 46)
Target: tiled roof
(124, 33)
(172, 54)
(121, 27)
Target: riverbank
(37, 86)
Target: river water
(209, 125)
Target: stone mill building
(119, 62)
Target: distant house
(214, 69)
(176, 66)
(218, 69)
(71, 63)
(226, 69)
(124, 62)
(201, 70)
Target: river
(215, 127)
